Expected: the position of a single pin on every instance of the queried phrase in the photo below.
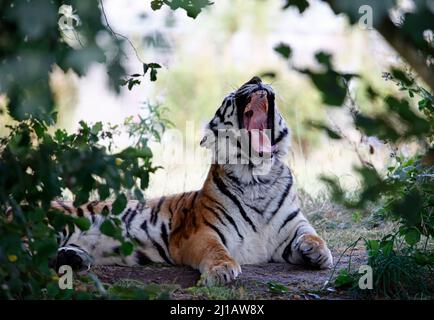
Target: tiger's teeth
(260, 142)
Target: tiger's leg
(205, 252)
(304, 246)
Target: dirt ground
(255, 282)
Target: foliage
(404, 193)
(277, 287)
(33, 41)
(399, 274)
(192, 7)
(134, 79)
(38, 165)
(218, 293)
(131, 289)
(410, 198)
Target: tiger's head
(248, 132)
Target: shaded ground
(254, 282)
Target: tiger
(243, 214)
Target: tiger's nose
(261, 94)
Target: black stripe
(179, 200)
(281, 200)
(222, 237)
(222, 187)
(144, 226)
(142, 259)
(194, 199)
(129, 220)
(282, 134)
(237, 182)
(131, 217)
(291, 216)
(160, 250)
(227, 216)
(214, 213)
(155, 210)
(171, 217)
(92, 212)
(126, 214)
(233, 107)
(288, 249)
(254, 208)
(227, 104)
(164, 235)
(157, 246)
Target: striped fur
(238, 217)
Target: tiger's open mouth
(255, 121)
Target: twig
(116, 34)
(353, 245)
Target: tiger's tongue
(255, 121)
(256, 124)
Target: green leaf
(131, 153)
(108, 228)
(324, 58)
(119, 204)
(344, 279)
(401, 76)
(156, 4)
(301, 5)
(130, 84)
(284, 50)
(145, 68)
(372, 245)
(83, 223)
(154, 65)
(96, 128)
(138, 194)
(412, 236)
(127, 248)
(103, 191)
(277, 287)
(409, 208)
(144, 180)
(153, 75)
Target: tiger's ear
(254, 80)
(208, 139)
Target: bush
(37, 167)
(402, 262)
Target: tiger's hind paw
(314, 251)
(220, 274)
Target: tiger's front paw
(314, 251)
(220, 274)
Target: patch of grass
(339, 225)
(218, 293)
(133, 289)
(277, 287)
